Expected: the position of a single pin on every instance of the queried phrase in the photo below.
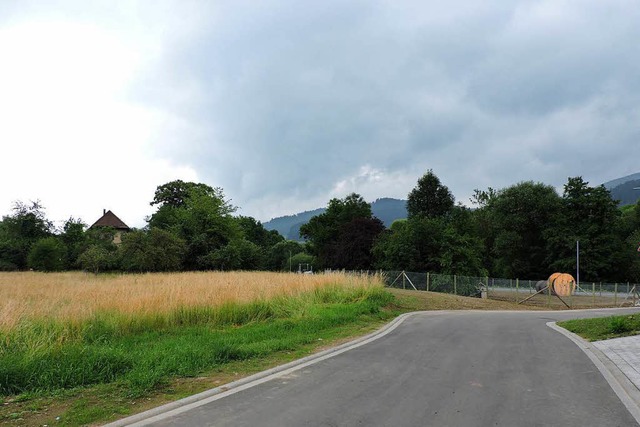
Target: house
(109, 219)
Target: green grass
(146, 353)
(603, 328)
(111, 366)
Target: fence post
(549, 296)
(593, 292)
(517, 288)
(615, 295)
(403, 276)
(571, 297)
(486, 281)
(530, 291)
(427, 281)
(455, 285)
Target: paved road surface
(436, 369)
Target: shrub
(618, 325)
(97, 259)
(48, 254)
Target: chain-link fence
(446, 283)
(586, 295)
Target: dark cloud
(284, 100)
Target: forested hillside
(386, 209)
(625, 189)
(627, 193)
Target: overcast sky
(286, 104)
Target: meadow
(65, 330)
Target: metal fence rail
(587, 294)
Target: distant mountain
(624, 189)
(616, 182)
(386, 209)
(289, 225)
(626, 193)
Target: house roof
(109, 219)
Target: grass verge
(604, 328)
(142, 368)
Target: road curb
(626, 391)
(188, 403)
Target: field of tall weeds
(75, 296)
(60, 330)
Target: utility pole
(578, 264)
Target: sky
(286, 104)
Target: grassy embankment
(603, 328)
(93, 348)
(137, 333)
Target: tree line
(527, 230)
(193, 228)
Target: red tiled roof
(109, 219)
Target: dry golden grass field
(77, 296)
(125, 339)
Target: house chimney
(104, 211)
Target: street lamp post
(577, 264)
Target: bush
(97, 259)
(48, 254)
(154, 250)
(618, 325)
(237, 255)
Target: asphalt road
(436, 369)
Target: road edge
(179, 406)
(626, 391)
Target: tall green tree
(439, 245)
(521, 216)
(98, 259)
(430, 198)
(75, 240)
(178, 193)
(198, 214)
(239, 254)
(254, 231)
(352, 248)
(48, 254)
(323, 231)
(19, 231)
(153, 250)
(589, 215)
(279, 256)
(631, 257)
(412, 245)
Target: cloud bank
(285, 104)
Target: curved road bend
(436, 369)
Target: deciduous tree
(198, 214)
(324, 231)
(589, 215)
(521, 216)
(429, 199)
(48, 254)
(19, 231)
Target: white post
(578, 264)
